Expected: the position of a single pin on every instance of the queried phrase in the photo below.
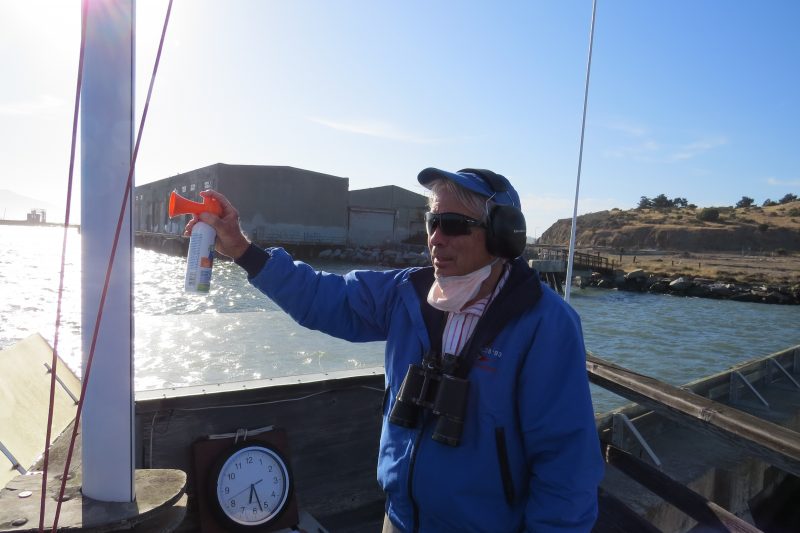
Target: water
(235, 333)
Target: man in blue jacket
(488, 423)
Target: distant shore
(35, 224)
(728, 267)
(766, 277)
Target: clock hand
(241, 491)
(244, 489)
(258, 500)
(252, 489)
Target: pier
(551, 263)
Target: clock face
(252, 485)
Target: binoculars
(428, 387)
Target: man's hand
(230, 239)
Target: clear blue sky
(697, 99)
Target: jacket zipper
(411, 465)
(505, 469)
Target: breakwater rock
(378, 256)
(400, 255)
(643, 281)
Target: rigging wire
(54, 363)
(571, 255)
(126, 195)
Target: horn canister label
(200, 258)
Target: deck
(721, 453)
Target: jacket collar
(521, 292)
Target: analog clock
(251, 485)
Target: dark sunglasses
(451, 224)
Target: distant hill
(774, 228)
(15, 206)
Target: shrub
(794, 212)
(661, 201)
(763, 227)
(708, 214)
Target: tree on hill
(661, 202)
(746, 201)
(680, 202)
(788, 198)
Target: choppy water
(235, 333)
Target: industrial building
(289, 206)
(388, 214)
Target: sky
(692, 99)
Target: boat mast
(571, 256)
(107, 135)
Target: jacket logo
(489, 359)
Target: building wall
(285, 205)
(370, 211)
(288, 205)
(282, 205)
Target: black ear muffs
(505, 229)
(505, 232)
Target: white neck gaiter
(451, 293)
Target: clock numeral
(249, 460)
(238, 466)
(231, 476)
(227, 490)
(269, 468)
(233, 503)
(275, 480)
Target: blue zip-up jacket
(529, 457)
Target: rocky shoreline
(405, 257)
(638, 280)
(643, 281)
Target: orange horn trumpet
(178, 205)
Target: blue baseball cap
(480, 181)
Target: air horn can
(200, 259)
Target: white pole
(107, 111)
(571, 257)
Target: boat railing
(739, 409)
